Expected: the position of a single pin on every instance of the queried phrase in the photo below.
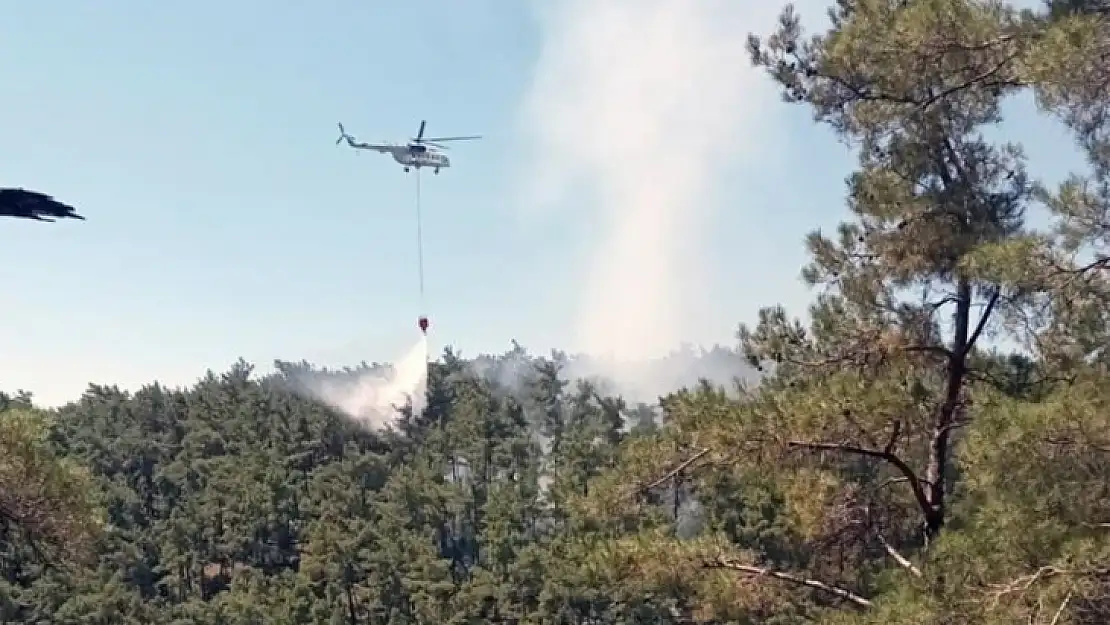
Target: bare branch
(944, 301)
(978, 374)
(938, 350)
(685, 464)
(867, 347)
(988, 77)
(843, 593)
(911, 477)
(890, 482)
(902, 560)
(895, 433)
(1022, 583)
(1073, 274)
(1060, 610)
(1025, 582)
(982, 321)
(982, 77)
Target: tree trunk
(936, 472)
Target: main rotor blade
(466, 138)
(420, 133)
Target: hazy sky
(639, 183)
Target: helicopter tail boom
(383, 148)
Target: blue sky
(223, 221)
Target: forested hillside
(928, 443)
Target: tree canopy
(927, 443)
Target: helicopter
(418, 152)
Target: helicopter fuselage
(419, 158)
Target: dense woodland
(930, 446)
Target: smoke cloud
(636, 109)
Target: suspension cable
(419, 243)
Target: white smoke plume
(639, 381)
(648, 379)
(373, 397)
(636, 108)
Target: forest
(928, 443)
